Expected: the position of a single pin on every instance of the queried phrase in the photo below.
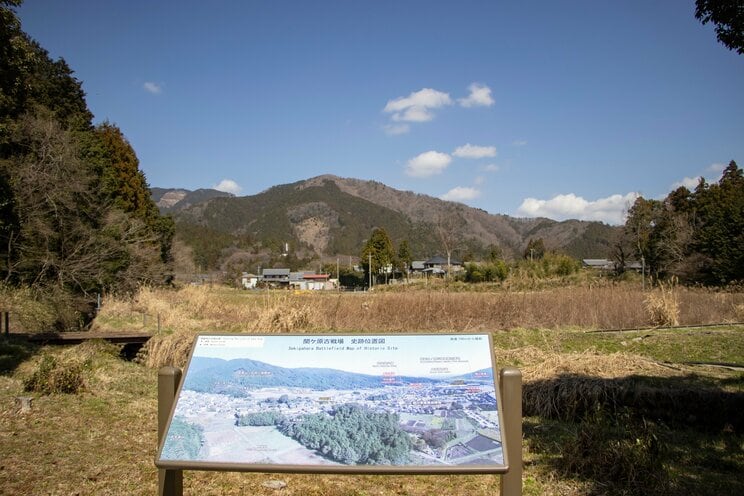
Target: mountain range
(332, 216)
(213, 375)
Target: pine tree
(378, 249)
(719, 233)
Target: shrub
(51, 376)
(565, 265)
(489, 272)
(473, 273)
(497, 271)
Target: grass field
(654, 411)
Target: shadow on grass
(734, 381)
(689, 401)
(13, 351)
(637, 435)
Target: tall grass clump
(55, 376)
(739, 312)
(207, 311)
(29, 311)
(663, 307)
(167, 349)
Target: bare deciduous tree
(449, 231)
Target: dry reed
(663, 307)
(602, 307)
(172, 349)
(569, 385)
(203, 309)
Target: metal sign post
(510, 382)
(170, 482)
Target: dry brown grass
(539, 364)
(568, 385)
(663, 307)
(167, 349)
(607, 306)
(204, 309)
(28, 313)
(739, 312)
(102, 441)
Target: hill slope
(170, 200)
(329, 215)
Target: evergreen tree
(719, 229)
(76, 216)
(697, 236)
(404, 257)
(494, 253)
(380, 247)
(535, 249)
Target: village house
(275, 277)
(437, 265)
(284, 278)
(603, 264)
(310, 281)
(249, 281)
(434, 266)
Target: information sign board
(405, 403)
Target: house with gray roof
(275, 276)
(439, 263)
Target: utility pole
(370, 269)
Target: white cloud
(428, 164)
(687, 182)
(461, 194)
(479, 180)
(228, 186)
(474, 151)
(396, 129)
(153, 88)
(480, 96)
(519, 143)
(611, 210)
(491, 168)
(716, 170)
(417, 107)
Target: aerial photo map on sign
(405, 402)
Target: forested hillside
(76, 216)
(329, 216)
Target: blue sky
(414, 355)
(561, 109)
